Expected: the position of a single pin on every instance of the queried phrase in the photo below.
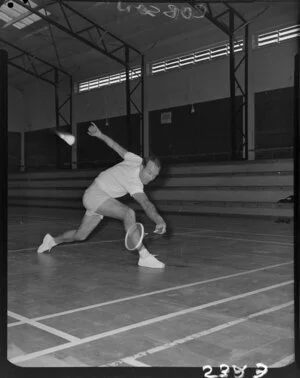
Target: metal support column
(71, 102)
(230, 22)
(64, 110)
(250, 100)
(144, 116)
(56, 98)
(4, 127)
(297, 201)
(246, 94)
(232, 86)
(127, 89)
(3, 186)
(134, 82)
(73, 128)
(239, 86)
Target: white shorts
(93, 197)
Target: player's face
(149, 172)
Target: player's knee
(79, 236)
(130, 215)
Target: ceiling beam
(78, 37)
(31, 73)
(215, 18)
(32, 59)
(99, 27)
(236, 13)
(31, 56)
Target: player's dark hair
(154, 159)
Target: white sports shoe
(48, 243)
(150, 262)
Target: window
(104, 81)
(194, 57)
(20, 17)
(278, 36)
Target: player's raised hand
(94, 131)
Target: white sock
(144, 252)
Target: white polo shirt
(122, 178)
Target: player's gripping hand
(94, 131)
(160, 228)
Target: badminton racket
(136, 234)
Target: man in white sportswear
(100, 199)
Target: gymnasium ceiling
(142, 32)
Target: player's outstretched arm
(95, 132)
(151, 212)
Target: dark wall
(92, 152)
(203, 135)
(14, 151)
(44, 150)
(200, 136)
(274, 118)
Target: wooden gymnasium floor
(225, 297)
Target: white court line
(242, 239)
(198, 235)
(34, 223)
(46, 218)
(44, 327)
(285, 361)
(195, 336)
(67, 245)
(158, 292)
(144, 323)
(88, 243)
(130, 361)
(238, 232)
(182, 227)
(15, 323)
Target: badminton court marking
(42, 326)
(196, 233)
(65, 221)
(237, 232)
(234, 275)
(132, 360)
(285, 361)
(144, 323)
(95, 242)
(147, 294)
(241, 239)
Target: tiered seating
(239, 188)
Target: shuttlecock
(68, 138)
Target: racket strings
(134, 236)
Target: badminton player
(100, 199)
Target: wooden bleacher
(250, 188)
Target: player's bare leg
(88, 224)
(116, 209)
